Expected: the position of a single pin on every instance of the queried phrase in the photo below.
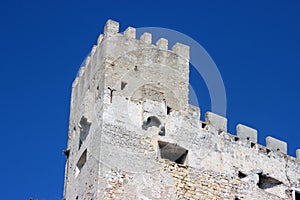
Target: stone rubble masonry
(133, 135)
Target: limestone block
(156, 108)
(194, 111)
(216, 121)
(276, 145)
(162, 43)
(246, 133)
(182, 50)
(130, 32)
(111, 28)
(146, 38)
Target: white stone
(216, 121)
(276, 145)
(246, 133)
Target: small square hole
(242, 175)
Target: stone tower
(133, 135)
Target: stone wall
(133, 135)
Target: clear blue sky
(255, 44)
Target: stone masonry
(133, 135)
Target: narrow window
(123, 85)
(81, 162)
(169, 109)
(98, 93)
(172, 152)
(84, 126)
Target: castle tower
(133, 135)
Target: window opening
(81, 162)
(84, 126)
(172, 152)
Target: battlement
(83, 81)
(112, 29)
(248, 136)
(127, 43)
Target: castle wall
(132, 134)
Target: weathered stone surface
(146, 38)
(216, 121)
(130, 32)
(182, 50)
(162, 43)
(129, 111)
(246, 133)
(111, 28)
(276, 145)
